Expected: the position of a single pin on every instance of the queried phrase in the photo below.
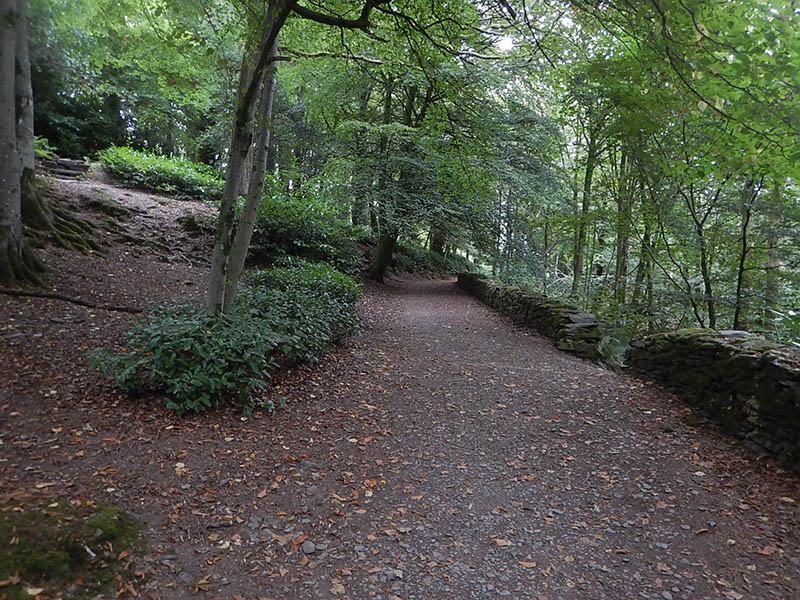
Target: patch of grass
(53, 547)
(42, 148)
(180, 178)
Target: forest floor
(445, 453)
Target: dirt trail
(446, 453)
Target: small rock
(309, 547)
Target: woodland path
(445, 453)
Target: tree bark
(17, 261)
(383, 258)
(36, 212)
(255, 190)
(437, 241)
(583, 225)
(624, 203)
(241, 137)
(772, 291)
(748, 195)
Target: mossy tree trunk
(17, 261)
(250, 81)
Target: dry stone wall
(572, 329)
(746, 384)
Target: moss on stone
(70, 549)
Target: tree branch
(366, 59)
(362, 22)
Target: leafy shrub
(195, 357)
(413, 258)
(319, 279)
(306, 226)
(200, 360)
(42, 148)
(181, 178)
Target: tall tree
(222, 275)
(17, 261)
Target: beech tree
(18, 263)
(228, 255)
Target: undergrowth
(413, 258)
(305, 225)
(200, 360)
(181, 178)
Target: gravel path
(444, 454)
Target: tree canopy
(638, 158)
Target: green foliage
(42, 148)
(178, 177)
(304, 224)
(315, 278)
(144, 72)
(196, 358)
(413, 258)
(201, 360)
(311, 307)
(51, 546)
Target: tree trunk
(241, 137)
(255, 190)
(387, 228)
(624, 202)
(583, 223)
(383, 258)
(359, 213)
(642, 267)
(748, 195)
(705, 271)
(772, 291)
(17, 262)
(36, 212)
(437, 241)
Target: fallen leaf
(337, 588)
(502, 542)
(11, 580)
(262, 493)
(787, 499)
(767, 551)
(527, 564)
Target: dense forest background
(639, 159)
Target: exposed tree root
(20, 265)
(25, 293)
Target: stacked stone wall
(748, 385)
(572, 329)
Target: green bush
(319, 279)
(413, 258)
(197, 359)
(304, 226)
(180, 178)
(200, 360)
(42, 148)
